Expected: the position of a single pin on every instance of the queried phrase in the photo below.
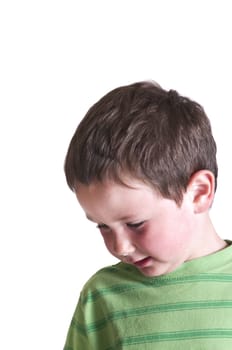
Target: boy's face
(154, 233)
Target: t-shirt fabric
(189, 308)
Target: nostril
(123, 248)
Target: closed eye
(135, 225)
(102, 226)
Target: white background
(58, 58)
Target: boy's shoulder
(111, 274)
(111, 277)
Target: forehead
(110, 201)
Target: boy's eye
(135, 225)
(102, 227)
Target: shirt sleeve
(77, 338)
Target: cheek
(148, 238)
(165, 236)
(107, 238)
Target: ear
(201, 188)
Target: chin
(151, 272)
(156, 271)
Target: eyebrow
(123, 218)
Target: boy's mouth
(143, 262)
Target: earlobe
(201, 187)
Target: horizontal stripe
(159, 282)
(79, 327)
(122, 314)
(173, 336)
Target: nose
(122, 244)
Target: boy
(142, 164)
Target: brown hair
(146, 132)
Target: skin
(155, 234)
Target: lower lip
(143, 263)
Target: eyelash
(130, 225)
(102, 226)
(136, 225)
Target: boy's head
(143, 132)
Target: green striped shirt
(190, 308)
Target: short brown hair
(144, 131)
